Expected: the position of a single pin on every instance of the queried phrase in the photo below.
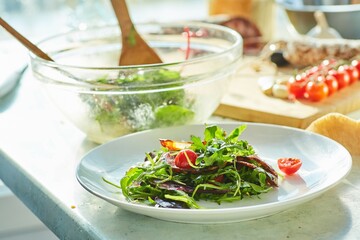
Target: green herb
(132, 38)
(218, 176)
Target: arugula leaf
(197, 144)
(183, 197)
(213, 132)
(131, 175)
(234, 135)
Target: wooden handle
(30, 46)
(134, 49)
(123, 16)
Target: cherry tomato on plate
(316, 90)
(289, 165)
(183, 158)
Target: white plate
(325, 163)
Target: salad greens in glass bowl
(106, 101)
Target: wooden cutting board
(246, 102)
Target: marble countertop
(39, 154)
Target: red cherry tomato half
(342, 77)
(332, 84)
(183, 157)
(317, 90)
(289, 165)
(353, 73)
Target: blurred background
(41, 18)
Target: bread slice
(340, 128)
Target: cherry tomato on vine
(332, 84)
(353, 73)
(297, 86)
(183, 157)
(342, 77)
(328, 63)
(289, 165)
(356, 64)
(313, 70)
(316, 90)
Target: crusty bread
(340, 128)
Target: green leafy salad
(217, 167)
(145, 110)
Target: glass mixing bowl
(106, 101)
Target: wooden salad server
(135, 51)
(33, 48)
(29, 45)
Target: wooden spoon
(33, 48)
(135, 51)
(30, 46)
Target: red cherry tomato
(289, 165)
(332, 84)
(341, 76)
(356, 64)
(353, 73)
(297, 86)
(316, 90)
(183, 157)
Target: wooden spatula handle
(30, 46)
(122, 14)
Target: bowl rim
(324, 8)
(238, 43)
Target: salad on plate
(217, 167)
